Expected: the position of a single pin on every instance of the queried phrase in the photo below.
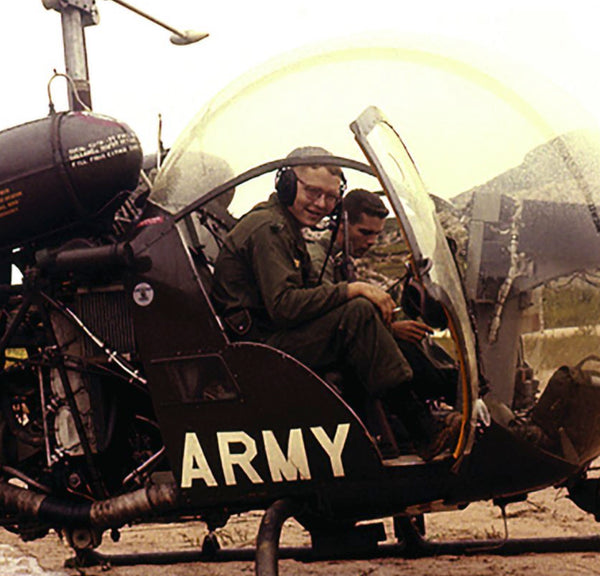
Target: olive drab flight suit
(263, 292)
(434, 376)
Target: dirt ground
(545, 514)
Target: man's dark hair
(360, 201)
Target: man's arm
(410, 330)
(278, 270)
(377, 296)
(277, 267)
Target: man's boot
(444, 438)
(431, 435)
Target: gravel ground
(545, 514)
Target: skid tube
(414, 548)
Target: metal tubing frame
(267, 540)
(496, 547)
(97, 484)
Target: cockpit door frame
(399, 194)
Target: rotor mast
(75, 16)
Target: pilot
(263, 292)
(363, 222)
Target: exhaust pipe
(103, 514)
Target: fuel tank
(61, 171)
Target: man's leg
(430, 382)
(352, 335)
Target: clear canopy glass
(512, 163)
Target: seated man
(363, 222)
(262, 290)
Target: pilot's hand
(410, 330)
(377, 296)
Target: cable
(112, 355)
(56, 74)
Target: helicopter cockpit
(125, 397)
(225, 162)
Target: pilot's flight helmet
(286, 181)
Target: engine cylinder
(60, 171)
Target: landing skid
(411, 544)
(511, 547)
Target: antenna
(75, 16)
(181, 38)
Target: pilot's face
(363, 234)
(317, 193)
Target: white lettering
(333, 449)
(290, 466)
(242, 459)
(296, 463)
(194, 464)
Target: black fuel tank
(60, 171)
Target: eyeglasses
(314, 193)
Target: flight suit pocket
(239, 323)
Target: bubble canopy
(462, 125)
(485, 142)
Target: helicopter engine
(58, 172)
(69, 404)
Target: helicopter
(123, 400)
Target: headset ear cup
(286, 185)
(343, 184)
